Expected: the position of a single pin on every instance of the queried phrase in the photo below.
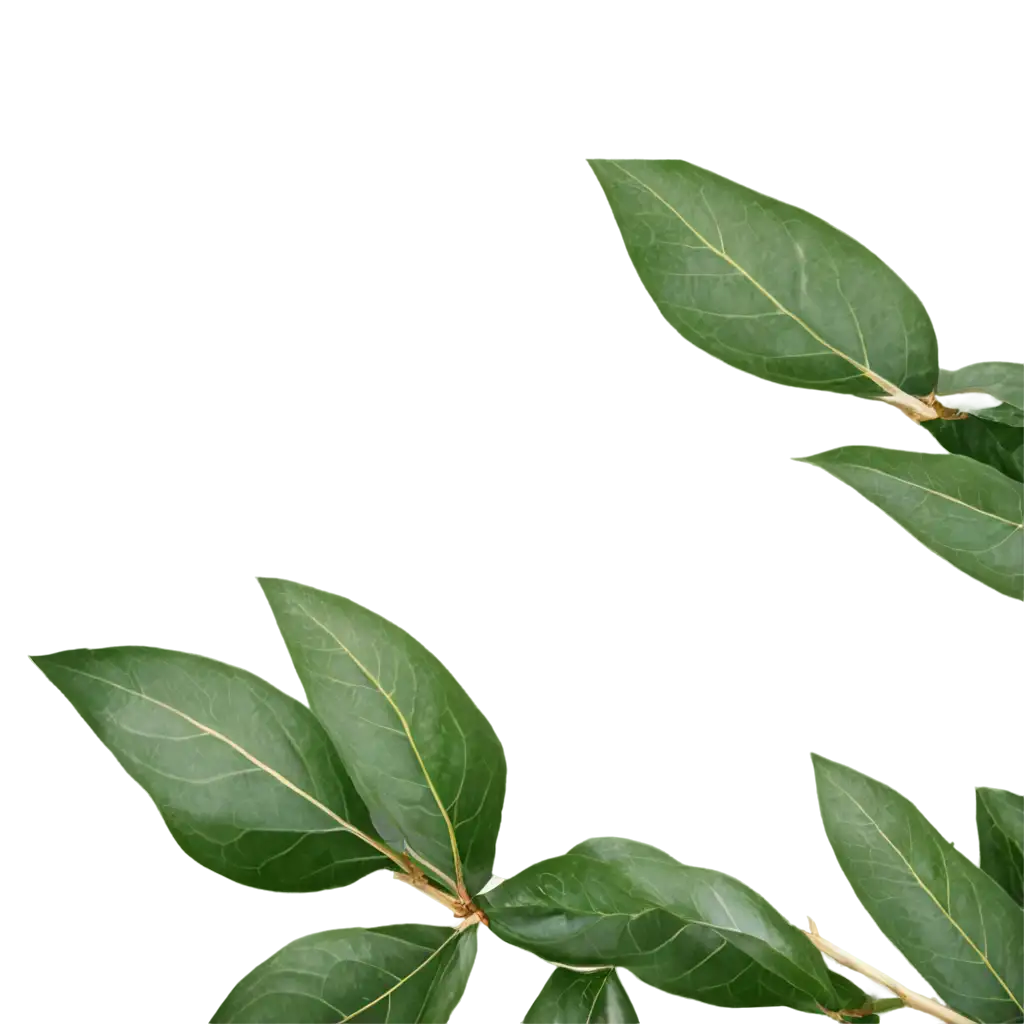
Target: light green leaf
(1004, 381)
(948, 918)
(689, 931)
(968, 513)
(767, 287)
(403, 973)
(572, 997)
(420, 753)
(245, 777)
(984, 438)
(1001, 837)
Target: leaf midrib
(938, 494)
(457, 861)
(210, 731)
(917, 878)
(886, 385)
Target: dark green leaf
(1004, 413)
(983, 438)
(966, 512)
(1001, 836)
(1004, 381)
(689, 931)
(421, 754)
(948, 918)
(767, 287)
(245, 777)
(407, 972)
(569, 997)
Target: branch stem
(914, 1000)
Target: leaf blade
(420, 753)
(572, 997)
(985, 439)
(960, 930)
(1000, 816)
(219, 751)
(966, 512)
(688, 931)
(767, 287)
(401, 972)
(1004, 381)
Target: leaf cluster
(779, 293)
(392, 766)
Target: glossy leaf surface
(404, 973)
(571, 997)
(1001, 838)
(765, 286)
(949, 919)
(245, 777)
(421, 754)
(686, 930)
(965, 511)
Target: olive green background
(331, 294)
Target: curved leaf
(244, 776)
(1004, 381)
(572, 997)
(1001, 837)
(984, 438)
(421, 754)
(686, 930)
(406, 972)
(949, 919)
(968, 513)
(767, 287)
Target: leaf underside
(245, 777)
(421, 755)
(685, 930)
(407, 972)
(961, 931)
(767, 287)
(968, 513)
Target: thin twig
(914, 1000)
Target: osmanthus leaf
(966, 512)
(406, 972)
(767, 287)
(1004, 381)
(1001, 837)
(244, 776)
(574, 997)
(985, 438)
(420, 753)
(689, 931)
(961, 931)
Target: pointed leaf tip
(767, 287)
(966, 512)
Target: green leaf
(1001, 836)
(1004, 381)
(1001, 414)
(420, 753)
(767, 287)
(571, 997)
(949, 919)
(406, 972)
(968, 513)
(689, 931)
(984, 438)
(244, 776)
